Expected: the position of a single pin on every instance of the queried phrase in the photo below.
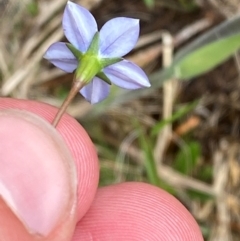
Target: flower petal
(60, 55)
(96, 91)
(79, 26)
(118, 36)
(127, 75)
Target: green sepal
(94, 46)
(109, 61)
(104, 77)
(78, 54)
(90, 63)
(88, 68)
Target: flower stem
(77, 85)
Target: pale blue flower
(116, 38)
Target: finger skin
(38, 180)
(128, 211)
(136, 212)
(78, 143)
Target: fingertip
(38, 180)
(78, 142)
(136, 211)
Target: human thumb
(38, 180)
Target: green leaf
(206, 173)
(149, 162)
(33, 8)
(176, 116)
(149, 3)
(207, 57)
(148, 157)
(107, 176)
(227, 28)
(198, 195)
(187, 4)
(187, 157)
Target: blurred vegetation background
(182, 134)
